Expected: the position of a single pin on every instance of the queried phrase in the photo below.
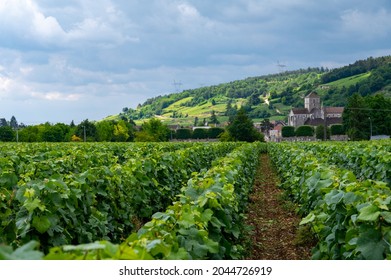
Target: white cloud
(89, 59)
(368, 25)
(56, 96)
(188, 11)
(4, 85)
(25, 22)
(24, 19)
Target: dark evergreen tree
(379, 113)
(213, 118)
(266, 125)
(319, 132)
(356, 118)
(13, 123)
(242, 128)
(87, 129)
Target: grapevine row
(367, 160)
(205, 222)
(102, 202)
(351, 217)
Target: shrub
(183, 133)
(305, 130)
(200, 133)
(288, 131)
(337, 129)
(214, 132)
(320, 132)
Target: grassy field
(349, 81)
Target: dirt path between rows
(273, 221)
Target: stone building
(314, 113)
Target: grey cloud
(88, 54)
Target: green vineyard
(186, 200)
(343, 190)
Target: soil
(275, 233)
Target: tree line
(309, 131)
(365, 116)
(108, 131)
(241, 128)
(359, 67)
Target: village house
(275, 134)
(314, 113)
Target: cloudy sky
(70, 60)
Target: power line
(177, 86)
(281, 66)
(369, 109)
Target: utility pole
(281, 67)
(84, 132)
(325, 124)
(177, 86)
(370, 126)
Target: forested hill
(270, 96)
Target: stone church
(314, 113)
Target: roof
(174, 126)
(314, 122)
(277, 122)
(201, 127)
(278, 127)
(334, 110)
(300, 111)
(319, 121)
(312, 95)
(314, 110)
(331, 121)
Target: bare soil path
(274, 223)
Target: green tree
(379, 113)
(29, 134)
(154, 130)
(7, 134)
(89, 129)
(266, 125)
(105, 131)
(213, 118)
(142, 136)
(120, 133)
(242, 128)
(230, 110)
(254, 100)
(355, 118)
(319, 132)
(53, 133)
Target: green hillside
(270, 96)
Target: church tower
(312, 101)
